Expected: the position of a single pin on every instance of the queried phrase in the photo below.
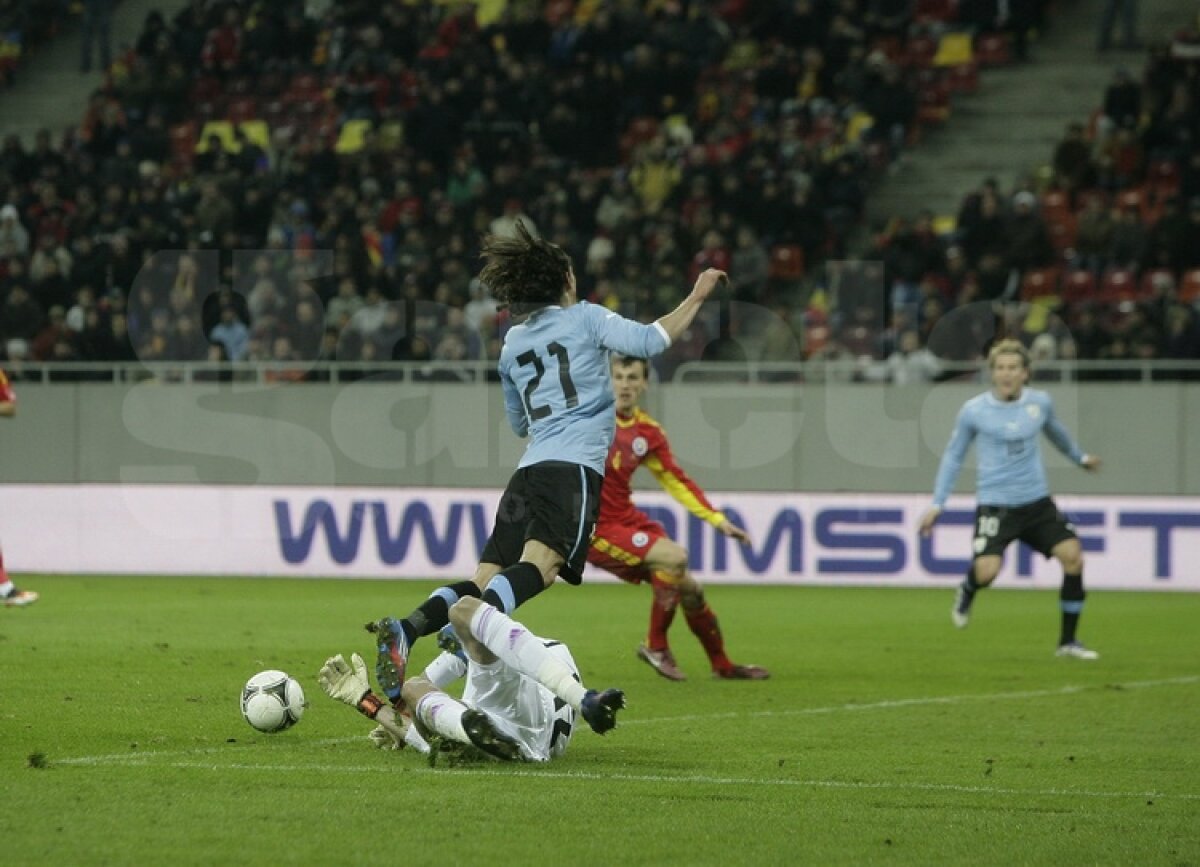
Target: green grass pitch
(884, 736)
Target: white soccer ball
(272, 701)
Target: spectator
(96, 30)
(14, 240)
(231, 333)
(1072, 162)
(911, 362)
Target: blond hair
(1008, 347)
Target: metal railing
(450, 372)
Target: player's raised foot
(742, 672)
(1075, 650)
(662, 661)
(20, 598)
(392, 657)
(960, 613)
(489, 739)
(600, 709)
(448, 641)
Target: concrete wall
(731, 437)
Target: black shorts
(1039, 524)
(554, 503)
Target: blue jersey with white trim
(1009, 459)
(557, 386)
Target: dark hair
(524, 273)
(618, 360)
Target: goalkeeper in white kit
(504, 711)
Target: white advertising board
(1136, 543)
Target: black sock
(1070, 600)
(434, 613)
(969, 585)
(514, 586)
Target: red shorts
(621, 548)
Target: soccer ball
(272, 701)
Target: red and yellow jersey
(7, 395)
(641, 441)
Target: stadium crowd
(289, 182)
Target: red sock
(3, 574)
(662, 612)
(703, 623)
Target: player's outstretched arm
(733, 531)
(680, 319)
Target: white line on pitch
(123, 758)
(135, 761)
(915, 702)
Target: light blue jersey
(1009, 465)
(557, 386)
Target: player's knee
(413, 689)
(461, 613)
(985, 572)
(691, 594)
(676, 563)
(1070, 554)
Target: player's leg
(622, 549)
(11, 596)
(503, 548)
(703, 623)
(515, 585)
(980, 574)
(555, 512)
(995, 528)
(396, 637)
(523, 651)
(438, 714)
(1070, 598)
(667, 563)
(1050, 533)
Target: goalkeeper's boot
(600, 708)
(741, 672)
(448, 641)
(1075, 650)
(392, 656)
(661, 661)
(19, 598)
(489, 739)
(960, 613)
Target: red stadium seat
(1055, 203)
(1133, 199)
(1086, 197)
(1147, 290)
(1039, 283)
(787, 262)
(933, 102)
(1079, 286)
(1062, 230)
(1163, 178)
(964, 78)
(919, 52)
(242, 109)
(927, 11)
(991, 49)
(1118, 284)
(1189, 287)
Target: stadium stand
(362, 151)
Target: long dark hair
(524, 273)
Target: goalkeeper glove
(348, 684)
